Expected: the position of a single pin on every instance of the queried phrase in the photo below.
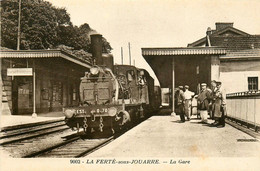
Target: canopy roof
(44, 54)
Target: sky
(158, 23)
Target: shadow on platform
(165, 110)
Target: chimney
(96, 48)
(208, 32)
(221, 25)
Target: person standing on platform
(203, 103)
(210, 104)
(187, 104)
(179, 103)
(219, 106)
(213, 90)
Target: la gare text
(134, 161)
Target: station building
(57, 76)
(226, 54)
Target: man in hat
(179, 103)
(213, 89)
(219, 106)
(187, 104)
(203, 102)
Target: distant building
(240, 66)
(226, 54)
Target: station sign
(19, 71)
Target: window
(252, 83)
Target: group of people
(210, 101)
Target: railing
(244, 108)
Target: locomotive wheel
(134, 115)
(87, 131)
(117, 128)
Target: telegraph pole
(19, 26)
(129, 53)
(122, 56)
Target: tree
(38, 24)
(43, 26)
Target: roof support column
(173, 85)
(34, 90)
(215, 67)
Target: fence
(244, 108)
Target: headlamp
(94, 70)
(69, 113)
(112, 111)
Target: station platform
(14, 120)
(165, 136)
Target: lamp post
(122, 56)
(129, 53)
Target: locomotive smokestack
(96, 45)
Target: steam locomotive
(112, 96)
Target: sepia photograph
(130, 85)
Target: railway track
(20, 133)
(77, 146)
(73, 148)
(52, 140)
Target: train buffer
(164, 136)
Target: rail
(244, 108)
(30, 131)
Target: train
(112, 97)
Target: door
(22, 95)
